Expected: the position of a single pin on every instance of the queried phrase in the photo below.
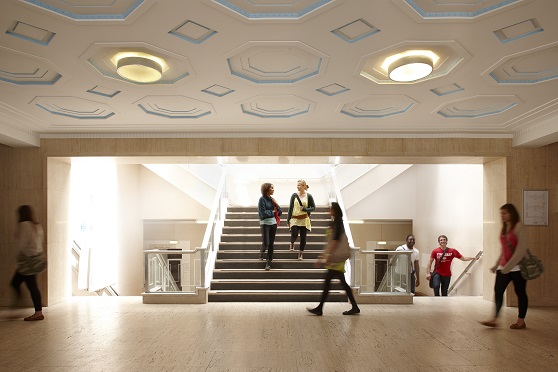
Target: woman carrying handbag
(334, 257)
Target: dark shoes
(268, 266)
(34, 317)
(353, 311)
(315, 311)
(261, 256)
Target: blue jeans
(443, 281)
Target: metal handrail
(465, 272)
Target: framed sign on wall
(535, 207)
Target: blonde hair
(303, 183)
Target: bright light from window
(93, 220)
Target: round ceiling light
(410, 68)
(139, 69)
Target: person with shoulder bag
(336, 253)
(298, 218)
(31, 258)
(513, 240)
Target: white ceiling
(279, 68)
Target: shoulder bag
(431, 281)
(531, 267)
(343, 251)
(31, 265)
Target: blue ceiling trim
(472, 116)
(334, 93)
(276, 116)
(379, 116)
(522, 81)
(174, 117)
(74, 116)
(295, 15)
(51, 82)
(102, 94)
(476, 13)
(36, 41)
(217, 94)
(503, 41)
(291, 81)
(86, 16)
(195, 41)
(458, 89)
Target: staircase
(239, 274)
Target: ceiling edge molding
(14, 137)
(273, 135)
(540, 134)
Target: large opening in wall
(125, 204)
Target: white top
(414, 255)
(29, 238)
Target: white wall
(439, 199)
(450, 203)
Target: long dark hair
(337, 223)
(25, 213)
(510, 208)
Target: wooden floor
(122, 334)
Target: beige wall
(25, 180)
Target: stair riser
(278, 246)
(262, 286)
(255, 255)
(271, 274)
(255, 229)
(323, 210)
(257, 264)
(256, 222)
(248, 297)
(280, 238)
(255, 216)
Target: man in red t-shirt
(442, 276)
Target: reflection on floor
(122, 334)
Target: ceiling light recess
(410, 68)
(139, 69)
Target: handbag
(343, 251)
(530, 267)
(431, 281)
(31, 265)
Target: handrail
(166, 272)
(465, 272)
(210, 233)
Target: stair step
(272, 284)
(240, 275)
(274, 296)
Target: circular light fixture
(410, 68)
(139, 69)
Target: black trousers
(331, 274)
(294, 234)
(520, 286)
(268, 239)
(31, 282)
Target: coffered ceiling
(275, 68)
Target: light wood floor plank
(123, 334)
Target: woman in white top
(298, 218)
(29, 237)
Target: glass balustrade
(381, 271)
(174, 270)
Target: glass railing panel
(173, 270)
(381, 271)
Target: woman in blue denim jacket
(267, 208)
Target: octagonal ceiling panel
(378, 106)
(101, 56)
(278, 10)
(531, 67)
(450, 54)
(175, 107)
(277, 106)
(93, 10)
(73, 107)
(25, 69)
(422, 10)
(479, 106)
(282, 62)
